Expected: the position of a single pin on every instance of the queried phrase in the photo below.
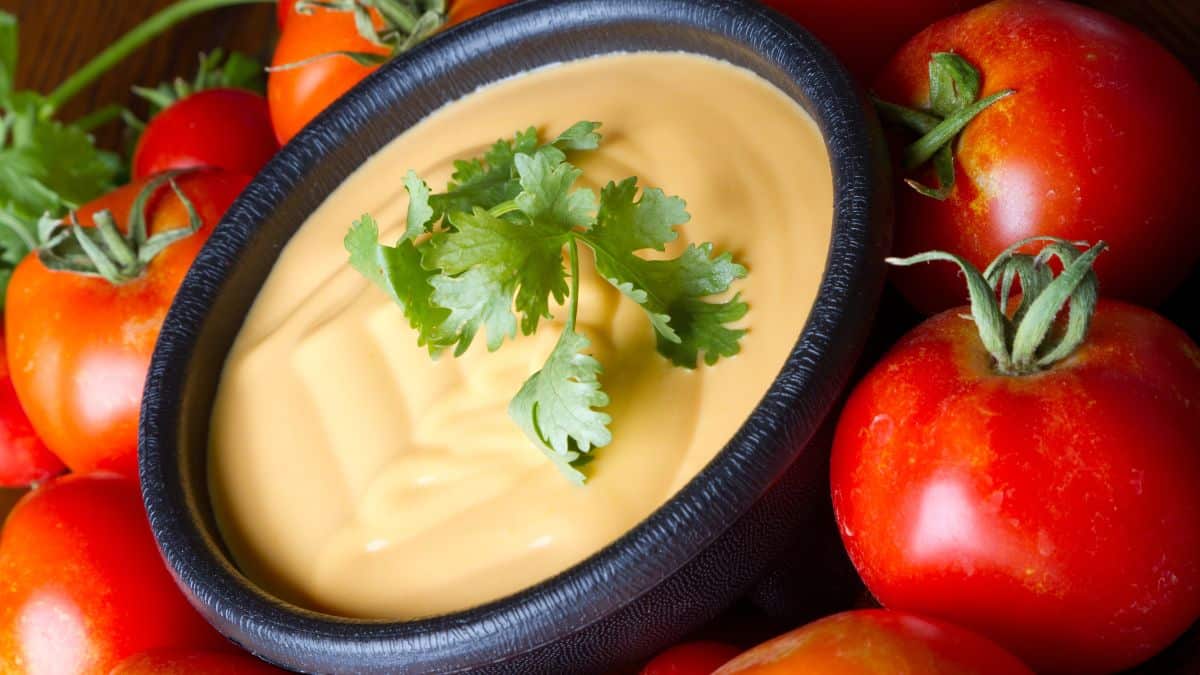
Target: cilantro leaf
(581, 136)
(556, 406)
(420, 213)
(398, 271)
(483, 262)
(546, 181)
(670, 291)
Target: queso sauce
(353, 474)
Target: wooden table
(58, 36)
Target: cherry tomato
(877, 642)
(24, 459)
(463, 10)
(1093, 145)
(319, 76)
(1053, 512)
(692, 658)
(84, 585)
(193, 662)
(79, 346)
(222, 128)
(865, 33)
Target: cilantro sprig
(487, 255)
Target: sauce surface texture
(354, 475)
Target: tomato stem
(954, 89)
(128, 43)
(1024, 343)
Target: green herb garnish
(491, 247)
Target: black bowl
(695, 555)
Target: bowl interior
(223, 283)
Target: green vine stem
(1025, 342)
(128, 43)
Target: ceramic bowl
(692, 557)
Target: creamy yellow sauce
(354, 475)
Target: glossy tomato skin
(84, 585)
(227, 129)
(297, 95)
(24, 459)
(864, 34)
(193, 662)
(877, 642)
(1055, 513)
(79, 347)
(691, 658)
(1093, 145)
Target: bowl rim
(776, 432)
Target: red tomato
(283, 11)
(877, 642)
(222, 128)
(1095, 144)
(865, 33)
(24, 459)
(1055, 512)
(192, 662)
(79, 346)
(692, 658)
(84, 586)
(463, 10)
(297, 95)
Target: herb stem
(504, 209)
(573, 250)
(128, 43)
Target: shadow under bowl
(691, 558)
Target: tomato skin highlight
(1054, 513)
(84, 585)
(79, 347)
(297, 95)
(1093, 145)
(691, 658)
(219, 128)
(24, 459)
(864, 34)
(193, 662)
(877, 642)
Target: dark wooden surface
(58, 36)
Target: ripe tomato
(24, 459)
(877, 642)
(84, 586)
(1093, 145)
(193, 662)
(692, 658)
(463, 10)
(865, 33)
(79, 346)
(222, 128)
(1053, 512)
(319, 76)
(283, 11)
